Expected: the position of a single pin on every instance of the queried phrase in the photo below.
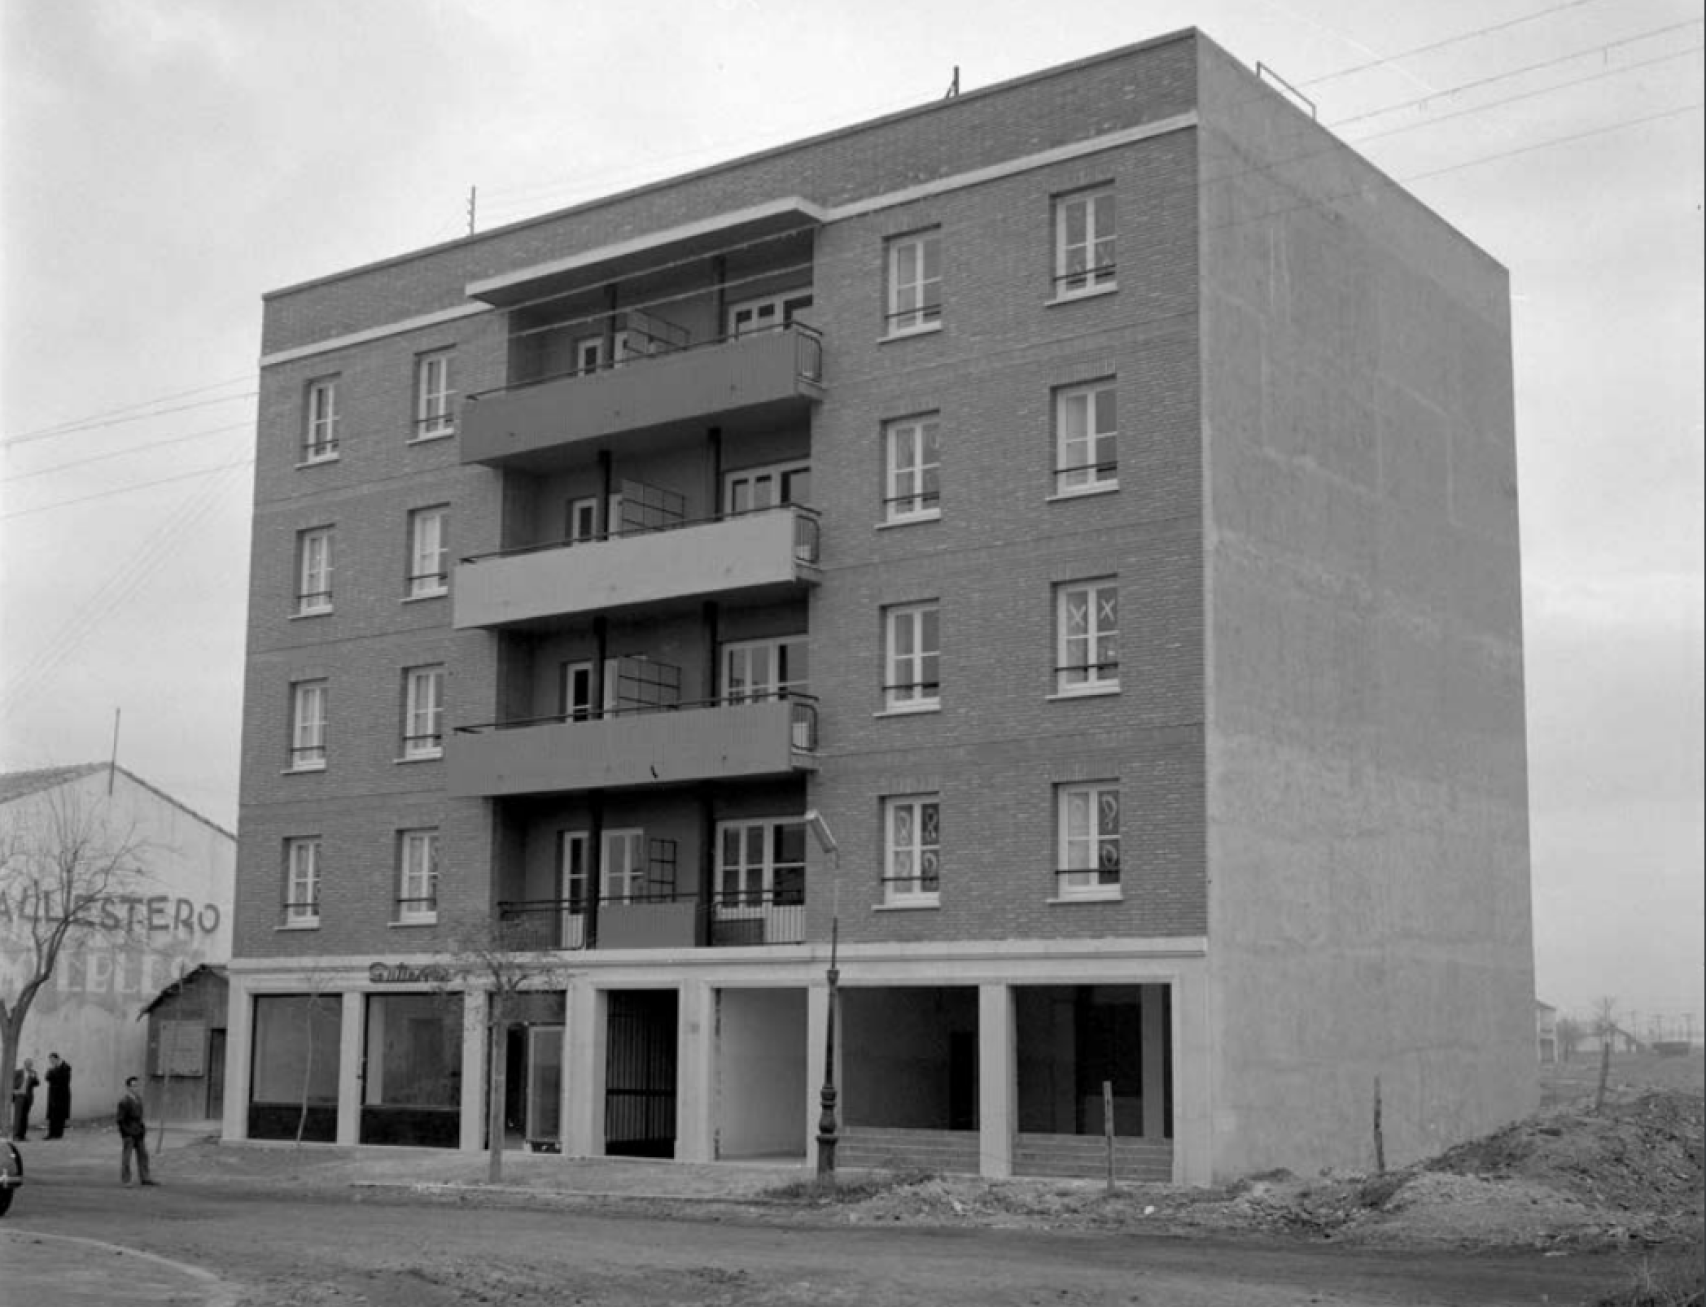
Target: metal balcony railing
(806, 534)
(804, 714)
(808, 358)
(733, 918)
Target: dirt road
(315, 1249)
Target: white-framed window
(912, 848)
(302, 881)
(423, 712)
(753, 488)
(766, 312)
(1087, 632)
(320, 421)
(1087, 825)
(914, 277)
(583, 519)
(435, 395)
(760, 863)
(429, 552)
(912, 656)
(1084, 236)
(765, 669)
(579, 692)
(623, 874)
(308, 725)
(912, 457)
(314, 571)
(417, 876)
(591, 353)
(1086, 438)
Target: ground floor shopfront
(1007, 1059)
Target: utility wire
(128, 451)
(120, 421)
(1488, 30)
(126, 408)
(125, 490)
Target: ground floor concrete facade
(999, 1058)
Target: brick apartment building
(1061, 540)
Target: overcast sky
(168, 161)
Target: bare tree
(1605, 1027)
(63, 859)
(320, 996)
(503, 961)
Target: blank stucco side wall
(1367, 806)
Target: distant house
(1622, 1041)
(175, 919)
(1546, 1032)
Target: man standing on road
(133, 1131)
(24, 1082)
(58, 1096)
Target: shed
(186, 1046)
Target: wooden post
(1379, 1137)
(1108, 1127)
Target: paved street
(236, 1240)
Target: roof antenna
(953, 86)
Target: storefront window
(294, 1077)
(412, 1083)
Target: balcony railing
(749, 554)
(761, 373)
(733, 919)
(639, 745)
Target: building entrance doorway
(640, 1073)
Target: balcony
(655, 744)
(744, 556)
(738, 919)
(770, 373)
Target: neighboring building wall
(176, 918)
(1369, 914)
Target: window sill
(306, 770)
(906, 333)
(300, 925)
(922, 905)
(312, 612)
(1088, 692)
(413, 922)
(915, 519)
(1072, 297)
(431, 438)
(1088, 896)
(317, 462)
(423, 597)
(419, 757)
(1088, 492)
(923, 709)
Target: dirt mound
(1642, 1154)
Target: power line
(1532, 68)
(1450, 40)
(125, 490)
(125, 453)
(69, 429)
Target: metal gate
(639, 1078)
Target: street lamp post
(826, 1119)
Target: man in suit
(58, 1095)
(133, 1131)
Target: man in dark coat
(58, 1095)
(24, 1082)
(133, 1130)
